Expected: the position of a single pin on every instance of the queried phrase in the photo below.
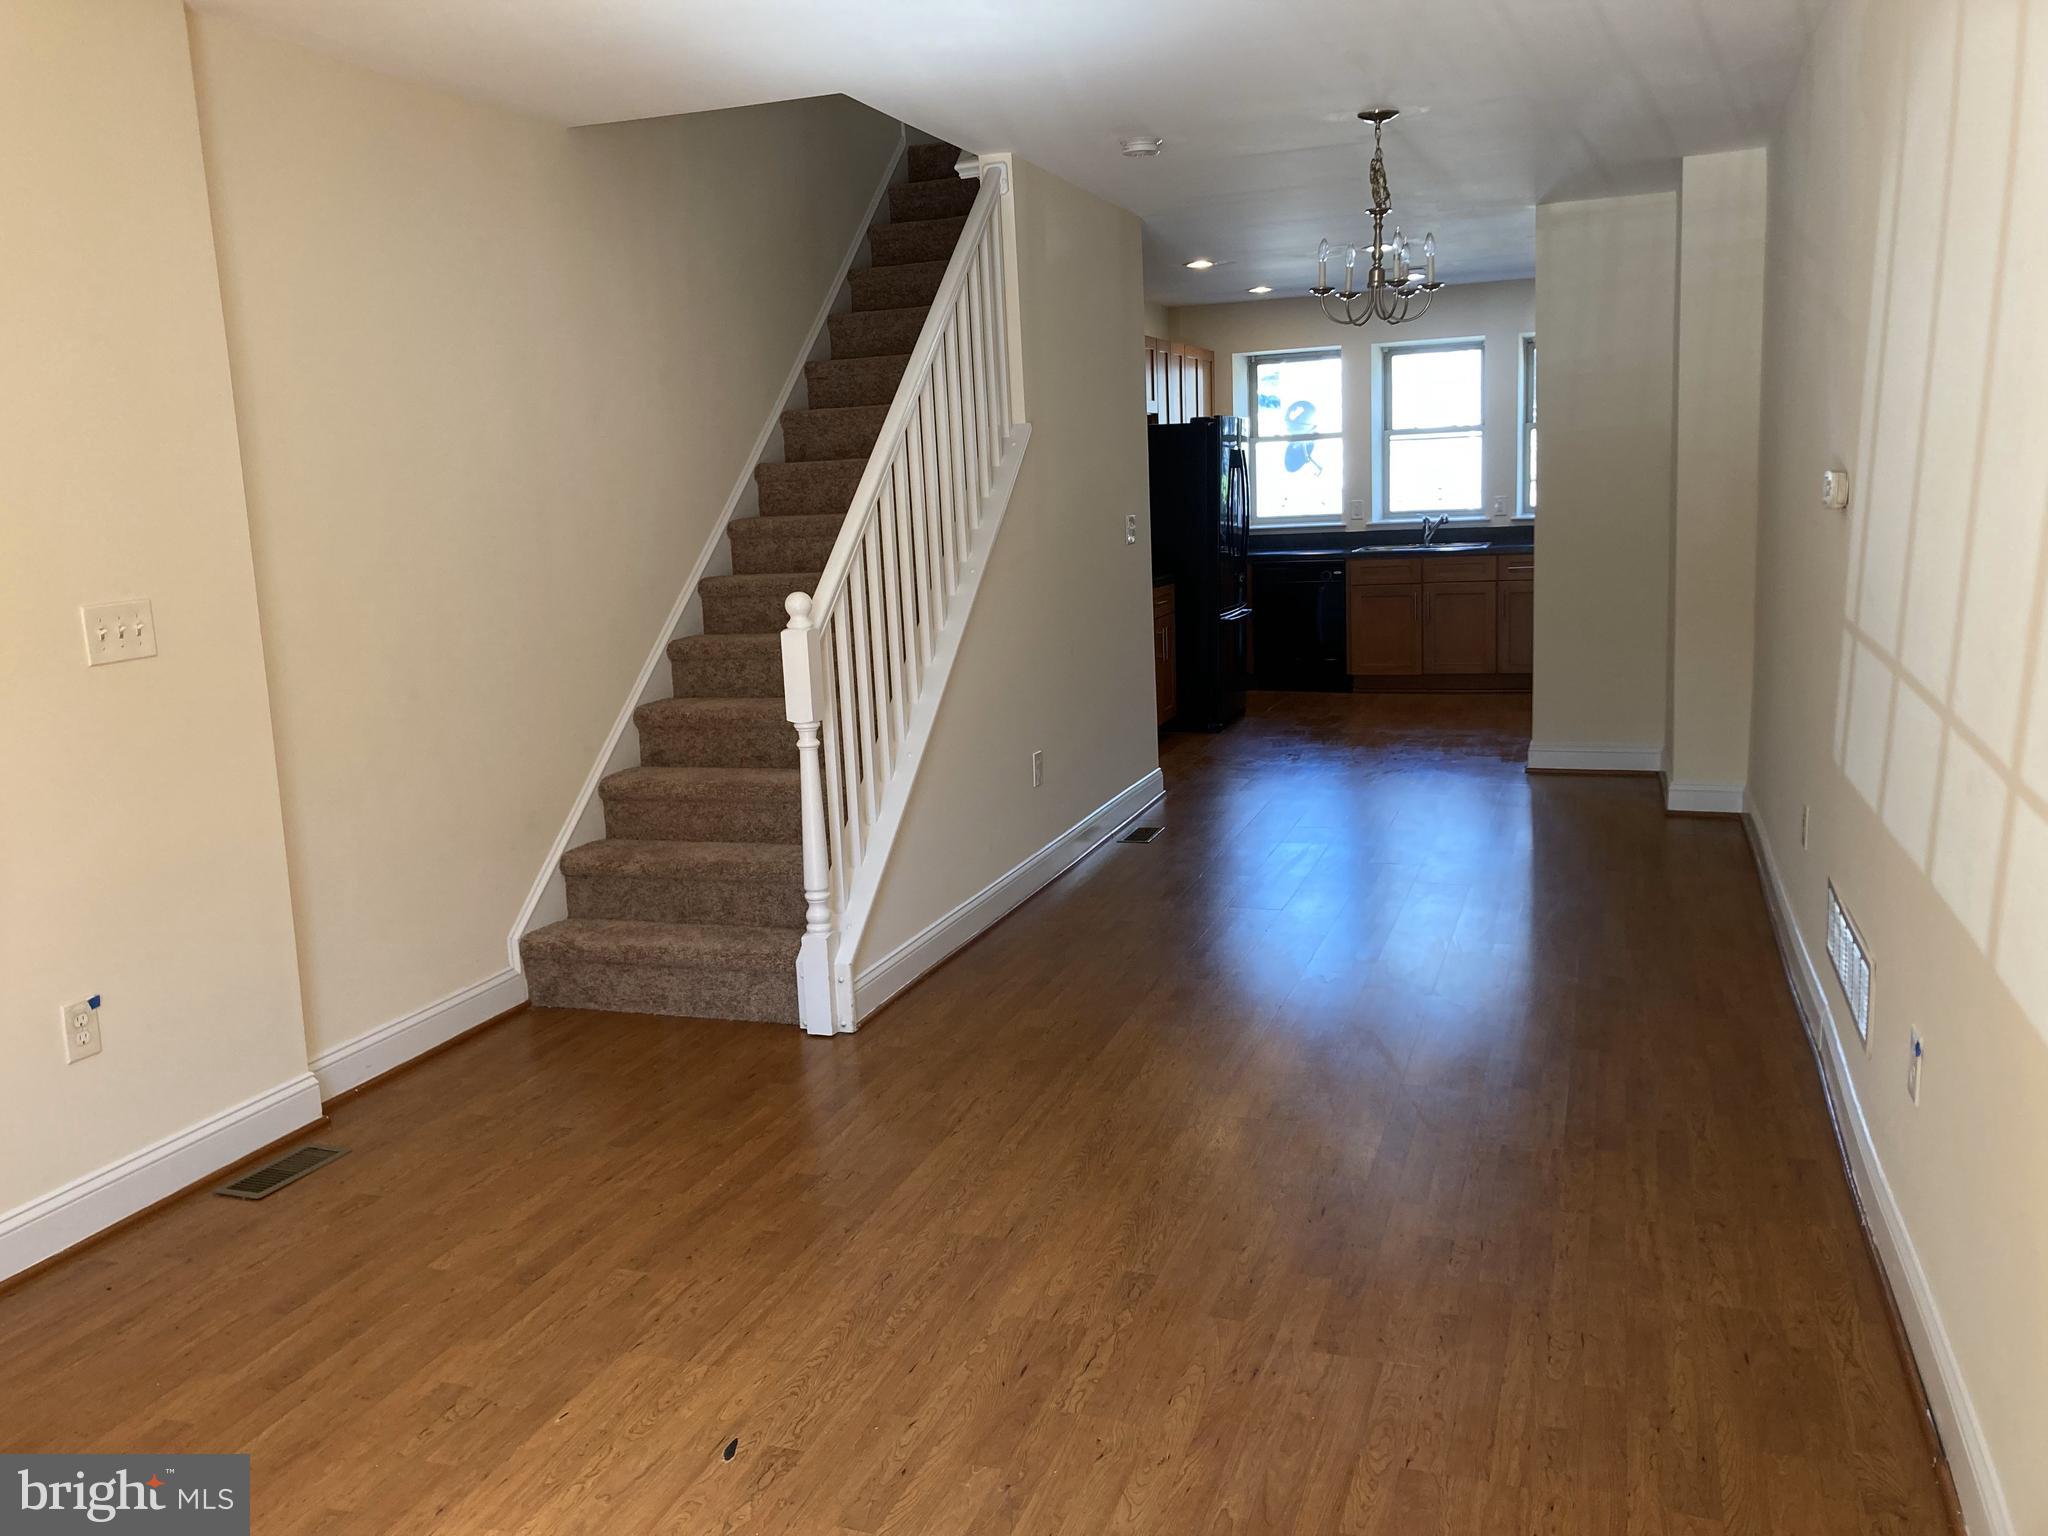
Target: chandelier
(1392, 281)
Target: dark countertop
(1361, 544)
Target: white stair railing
(865, 655)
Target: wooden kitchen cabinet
(1383, 629)
(1165, 675)
(1459, 635)
(1464, 619)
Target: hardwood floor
(1399, 1144)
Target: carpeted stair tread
(897, 287)
(665, 859)
(751, 604)
(761, 545)
(854, 380)
(939, 199)
(726, 666)
(875, 332)
(934, 162)
(836, 432)
(715, 733)
(892, 245)
(752, 884)
(691, 970)
(720, 805)
(808, 488)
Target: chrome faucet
(1432, 526)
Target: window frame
(1384, 433)
(1252, 364)
(1525, 455)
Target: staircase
(693, 902)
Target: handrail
(861, 649)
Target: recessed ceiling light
(1262, 288)
(1142, 149)
(1201, 264)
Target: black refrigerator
(1201, 541)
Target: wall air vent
(1141, 834)
(272, 1177)
(1851, 962)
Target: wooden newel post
(803, 676)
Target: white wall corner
(1985, 1512)
(1595, 757)
(878, 982)
(355, 1062)
(1696, 799)
(548, 900)
(65, 1217)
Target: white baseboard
(1985, 1512)
(875, 984)
(47, 1226)
(1704, 799)
(356, 1061)
(1559, 757)
(548, 900)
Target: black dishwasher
(1299, 641)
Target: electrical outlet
(1037, 769)
(1354, 513)
(1913, 1069)
(118, 632)
(1500, 509)
(82, 1029)
(1805, 817)
(1130, 527)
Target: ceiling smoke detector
(1143, 149)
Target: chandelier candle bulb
(1323, 267)
(1429, 257)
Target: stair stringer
(548, 900)
(895, 803)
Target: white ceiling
(1507, 103)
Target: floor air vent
(1141, 834)
(272, 1177)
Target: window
(1432, 429)
(1298, 438)
(1528, 426)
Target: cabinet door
(1458, 627)
(1384, 630)
(1165, 681)
(1518, 625)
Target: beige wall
(141, 853)
(1158, 321)
(496, 380)
(1902, 677)
(1722, 208)
(1501, 313)
(1058, 656)
(1606, 276)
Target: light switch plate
(118, 632)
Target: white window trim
(1246, 378)
(1382, 355)
(1524, 513)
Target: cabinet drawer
(1384, 572)
(1437, 568)
(1162, 600)
(1516, 567)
